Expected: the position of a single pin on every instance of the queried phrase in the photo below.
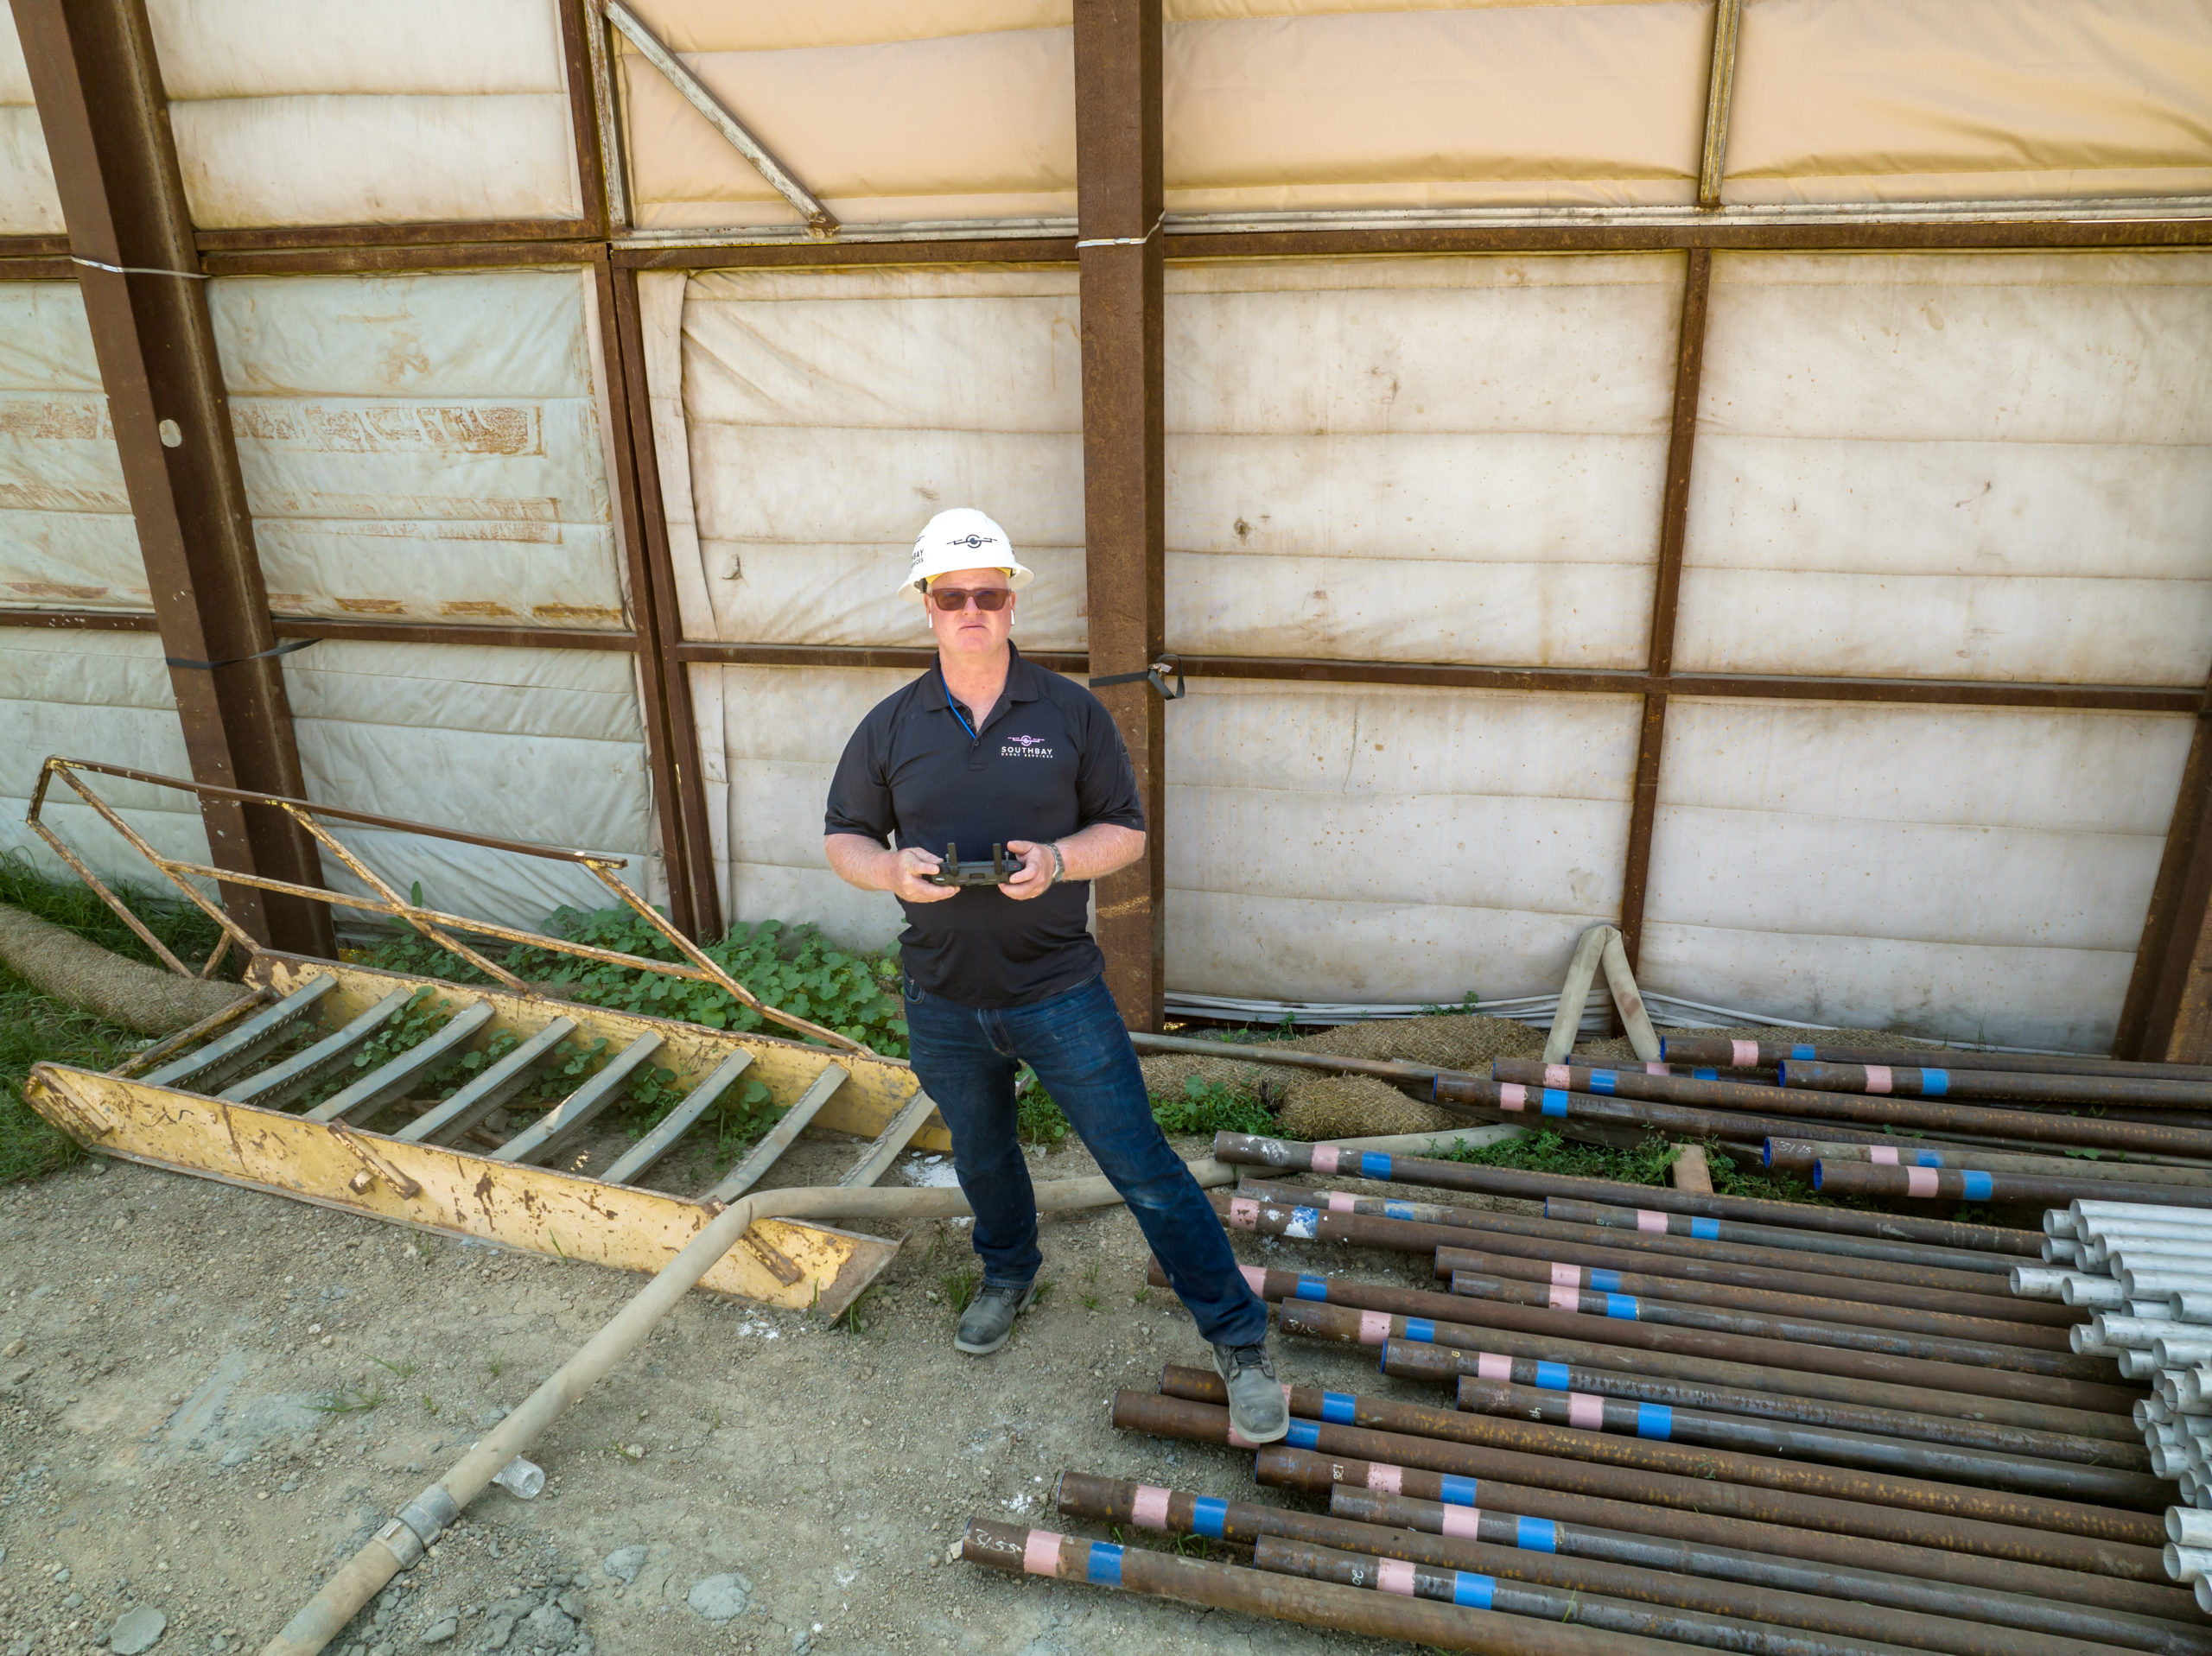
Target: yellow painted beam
(778, 1262)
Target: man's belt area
(1157, 675)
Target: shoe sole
(1028, 1300)
(1275, 1436)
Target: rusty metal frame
(432, 923)
(1719, 95)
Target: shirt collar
(1021, 681)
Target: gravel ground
(209, 1396)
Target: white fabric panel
(429, 446)
(66, 537)
(391, 111)
(104, 696)
(1360, 106)
(880, 123)
(1894, 101)
(829, 415)
(29, 204)
(1373, 843)
(1955, 465)
(545, 746)
(1971, 873)
(1419, 460)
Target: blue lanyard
(972, 735)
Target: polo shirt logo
(1024, 747)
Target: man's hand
(905, 871)
(1036, 876)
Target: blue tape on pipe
(1934, 1083)
(1621, 1305)
(1455, 1491)
(1554, 1101)
(1605, 1281)
(1976, 1186)
(1210, 1516)
(1339, 1408)
(1421, 1329)
(1397, 1210)
(1304, 1222)
(1303, 1434)
(1707, 1230)
(1374, 1164)
(1535, 1535)
(1655, 1420)
(1475, 1592)
(1553, 1377)
(1804, 1052)
(1605, 1081)
(1311, 1288)
(1927, 1158)
(1705, 1074)
(1104, 1568)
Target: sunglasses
(952, 598)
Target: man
(986, 748)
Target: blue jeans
(966, 1057)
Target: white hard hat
(962, 538)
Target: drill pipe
(1249, 1150)
(1147, 1507)
(1997, 1267)
(1797, 1155)
(1918, 1495)
(1973, 1184)
(1281, 1556)
(1832, 1306)
(1160, 1416)
(1968, 1292)
(1668, 1422)
(1908, 1081)
(1313, 1604)
(1993, 1580)
(1298, 1313)
(1726, 1054)
(2103, 1132)
(1675, 1120)
(1958, 1617)
(1847, 1336)
(1823, 1358)
(1446, 1365)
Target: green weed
(405, 1369)
(345, 1401)
(959, 1287)
(1210, 1107)
(1649, 1163)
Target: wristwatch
(1060, 866)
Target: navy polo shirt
(1047, 763)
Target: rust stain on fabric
(79, 420)
(405, 428)
(576, 613)
(481, 607)
(56, 590)
(373, 607)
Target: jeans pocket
(912, 991)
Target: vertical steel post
(1118, 146)
(106, 122)
(2167, 1016)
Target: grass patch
(1201, 1107)
(1649, 1163)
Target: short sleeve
(1106, 785)
(860, 792)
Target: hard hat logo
(962, 538)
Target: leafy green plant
(1210, 1107)
(1649, 1163)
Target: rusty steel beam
(672, 730)
(578, 19)
(107, 129)
(2167, 1016)
(1118, 249)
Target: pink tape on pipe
(1325, 1157)
(1742, 1055)
(1466, 1522)
(1394, 1576)
(1149, 1510)
(1512, 1095)
(1878, 1078)
(1658, 1069)
(1883, 1156)
(1238, 1440)
(1566, 1299)
(1385, 1480)
(1647, 1219)
(1566, 1276)
(1374, 1328)
(1490, 1366)
(1340, 1202)
(1583, 1410)
(1556, 1075)
(1041, 1553)
(1920, 1181)
(1243, 1213)
(1254, 1278)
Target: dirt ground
(208, 1396)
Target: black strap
(1156, 676)
(233, 660)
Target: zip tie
(1124, 241)
(139, 270)
(233, 660)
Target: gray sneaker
(988, 1321)
(1258, 1410)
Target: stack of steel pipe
(2147, 1268)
